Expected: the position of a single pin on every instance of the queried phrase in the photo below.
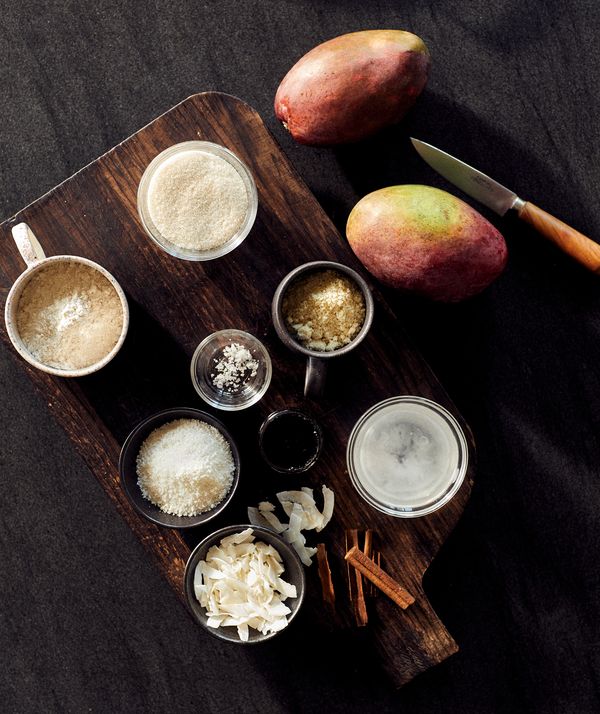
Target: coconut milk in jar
(407, 456)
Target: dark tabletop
(86, 623)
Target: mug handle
(314, 382)
(29, 247)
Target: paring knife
(501, 199)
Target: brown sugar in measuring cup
(316, 364)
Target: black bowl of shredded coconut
(231, 370)
(179, 467)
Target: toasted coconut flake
(297, 519)
(241, 537)
(314, 518)
(286, 589)
(287, 507)
(273, 521)
(328, 505)
(256, 518)
(301, 509)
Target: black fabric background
(86, 623)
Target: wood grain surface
(174, 304)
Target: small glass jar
(204, 371)
(203, 147)
(290, 441)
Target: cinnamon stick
(349, 575)
(379, 577)
(368, 548)
(325, 575)
(377, 560)
(358, 601)
(368, 542)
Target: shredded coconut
(197, 201)
(69, 315)
(324, 310)
(234, 368)
(185, 467)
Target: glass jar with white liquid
(407, 456)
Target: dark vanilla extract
(290, 441)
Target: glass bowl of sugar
(197, 200)
(231, 369)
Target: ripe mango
(426, 240)
(352, 86)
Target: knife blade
(476, 184)
(500, 199)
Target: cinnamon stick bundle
(388, 586)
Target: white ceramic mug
(33, 254)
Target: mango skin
(352, 86)
(427, 241)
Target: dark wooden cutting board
(174, 304)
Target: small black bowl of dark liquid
(290, 441)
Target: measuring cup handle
(314, 383)
(29, 247)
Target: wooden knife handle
(578, 246)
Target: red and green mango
(352, 86)
(427, 241)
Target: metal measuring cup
(316, 363)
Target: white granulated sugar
(197, 201)
(185, 467)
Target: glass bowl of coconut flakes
(231, 369)
(197, 200)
